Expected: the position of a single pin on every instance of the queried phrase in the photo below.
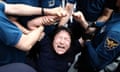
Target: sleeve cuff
(99, 24)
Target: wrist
(42, 12)
(91, 27)
(46, 11)
(84, 24)
(94, 24)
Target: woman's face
(61, 42)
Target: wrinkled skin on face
(61, 42)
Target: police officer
(105, 46)
(45, 4)
(92, 10)
(13, 42)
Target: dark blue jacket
(49, 61)
(105, 47)
(91, 9)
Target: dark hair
(59, 29)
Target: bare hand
(58, 11)
(78, 16)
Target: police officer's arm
(90, 51)
(69, 8)
(105, 52)
(26, 10)
(78, 16)
(92, 54)
(105, 15)
(44, 20)
(101, 20)
(108, 9)
(28, 40)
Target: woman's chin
(60, 52)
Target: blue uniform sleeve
(105, 52)
(100, 24)
(2, 6)
(9, 33)
(94, 59)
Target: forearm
(21, 9)
(44, 20)
(105, 15)
(84, 24)
(27, 10)
(24, 10)
(28, 40)
(99, 22)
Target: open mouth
(61, 47)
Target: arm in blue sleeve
(92, 54)
(105, 52)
